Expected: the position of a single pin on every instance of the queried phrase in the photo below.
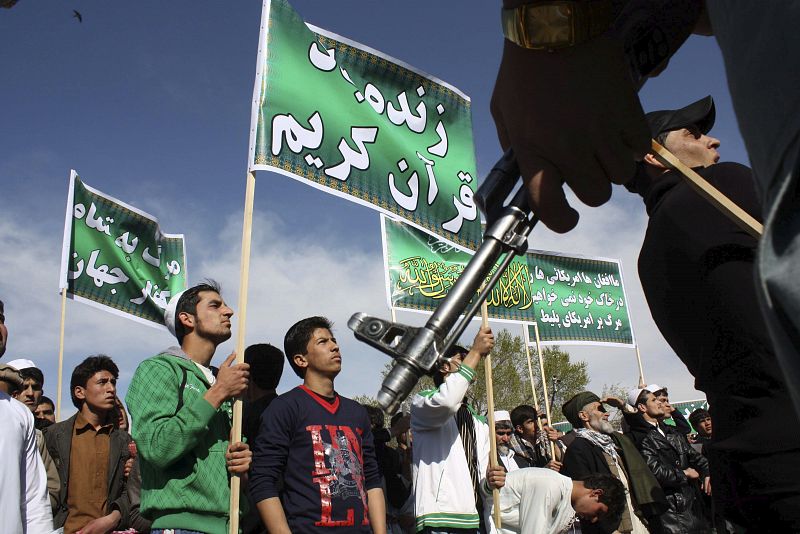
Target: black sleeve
(271, 450)
(372, 474)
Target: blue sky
(150, 103)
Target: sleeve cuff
(467, 372)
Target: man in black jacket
(674, 463)
(697, 272)
(597, 448)
(90, 453)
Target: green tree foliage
(511, 379)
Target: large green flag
(574, 299)
(116, 258)
(359, 124)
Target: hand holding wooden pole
(236, 430)
(641, 372)
(487, 373)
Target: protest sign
(361, 125)
(574, 299)
(116, 258)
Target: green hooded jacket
(182, 441)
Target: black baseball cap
(701, 113)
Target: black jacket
(667, 457)
(123, 493)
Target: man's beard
(503, 449)
(602, 426)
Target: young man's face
(100, 392)
(45, 411)
(30, 394)
(652, 407)
(693, 148)
(322, 354)
(528, 430)
(213, 317)
(704, 427)
(588, 507)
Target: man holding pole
(699, 282)
(181, 413)
(452, 482)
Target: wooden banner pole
(526, 341)
(236, 431)
(394, 314)
(487, 373)
(61, 352)
(639, 361)
(709, 192)
(544, 386)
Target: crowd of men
(315, 460)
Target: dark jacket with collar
(583, 458)
(667, 457)
(123, 493)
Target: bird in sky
(77, 15)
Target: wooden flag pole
(639, 360)
(709, 192)
(544, 385)
(61, 352)
(487, 373)
(525, 341)
(394, 314)
(236, 431)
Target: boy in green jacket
(181, 416)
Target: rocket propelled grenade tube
(419, 351)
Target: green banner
(359, 124)
(574, 300)
(115, 256)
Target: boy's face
(322, 354)
(100, 392)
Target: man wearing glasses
(598, 448)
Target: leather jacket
(667, 457)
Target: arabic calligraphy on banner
(575, 300)
(359, 124)
(115, 256)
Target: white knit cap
(501, 415)
(21, 363)
(169, 315)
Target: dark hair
(298, 336)
(698, 415)
(642, 398)
(613, 497)
(47, 400)
(2, 313)
(266, 365)
(522, 413)
(32, 373)
(188, 304)
(396, 417)
(86, 370)
(642, 181)
(505, 425)
(438, 377)
(376, 417)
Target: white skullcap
(169, 315)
